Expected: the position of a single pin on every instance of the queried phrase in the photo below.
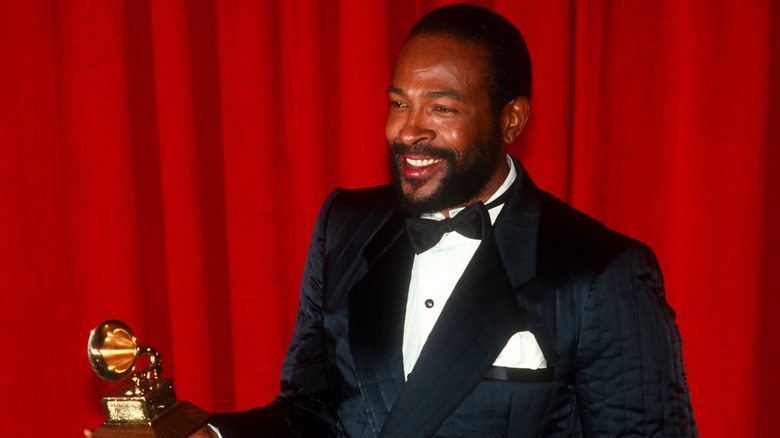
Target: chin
(421, 200)
(416, 191)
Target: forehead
(444, 59)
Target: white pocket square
(522, 351)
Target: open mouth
(421, 162)
(416, 166)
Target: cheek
(468, 133)
(457, 138)
(392, 127)
(454, 136)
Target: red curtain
(162, 163)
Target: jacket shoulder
(350, 207)
(365, 199)
(351, 217)
(570, 237)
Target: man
(462, 300)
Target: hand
(203, 432)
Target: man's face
(445, 140)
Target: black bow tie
(472, 222)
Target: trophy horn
(113, 352)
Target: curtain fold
(162, 163)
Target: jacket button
(429, 303)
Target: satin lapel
(377, 305)
(365, 239)
(477, 321)
(517, 229)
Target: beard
(463, 180)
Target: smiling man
(461, 300)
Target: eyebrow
(438, 93)
(395, 90)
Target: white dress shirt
(434, 275)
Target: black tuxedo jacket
(592, 298)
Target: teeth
(421, 163)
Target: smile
(418, 162)
(419, 167)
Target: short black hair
(507, 52)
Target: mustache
(398, 148)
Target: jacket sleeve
(629, 373)
(303, 407)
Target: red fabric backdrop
(162, 162)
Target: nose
(415, 128)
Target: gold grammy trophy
(145, 405)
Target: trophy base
(178, 421)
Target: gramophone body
(145, 405)
(126, 407)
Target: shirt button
(429, 303)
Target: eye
(443, 109)
(397, 104)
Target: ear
(513, 119)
